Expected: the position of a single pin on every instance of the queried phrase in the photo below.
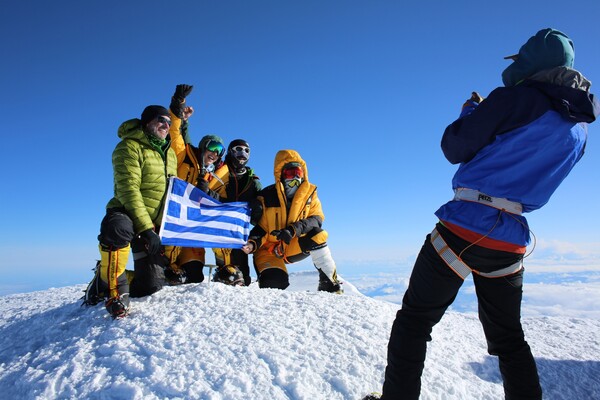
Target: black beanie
(152, 112)
(237, 142)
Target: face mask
(290, 191)
(290, 186)
(294, 182)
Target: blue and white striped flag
(194, 219)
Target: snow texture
(212, 341)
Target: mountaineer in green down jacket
(142, 163)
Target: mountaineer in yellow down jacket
(289, 229)
(195, 165)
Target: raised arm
(179, 112)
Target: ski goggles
(215, 147)
(240, 149)
(292, 172)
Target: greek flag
(192, 218)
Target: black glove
(178, 99)
(182, 91)
(203, 185)
(152, 241)
(285, 234)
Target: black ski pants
(433, 286)
(116, 231)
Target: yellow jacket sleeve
(177, 142)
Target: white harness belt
(497, 202)
(460, 268)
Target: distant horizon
(559, 293)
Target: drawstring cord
(494, 227)
(530, 232)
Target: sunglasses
(240, 149)
(163, 120)
(291, 173)
(215, 147)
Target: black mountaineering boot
(93, 294)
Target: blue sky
(362, 89)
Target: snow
(212, 341)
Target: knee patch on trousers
(315, 239)
(116, 230)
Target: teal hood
(548, 49)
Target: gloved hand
(476, 97)
(471, 103)
(285, 234)
(203, 185)
(178, 99)
(474, 100)
(182, 91)
(152, 241)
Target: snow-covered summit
(212, 341)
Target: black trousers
(116, 231)
(278, 278)
(432, 288)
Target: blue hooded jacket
(521, 142)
